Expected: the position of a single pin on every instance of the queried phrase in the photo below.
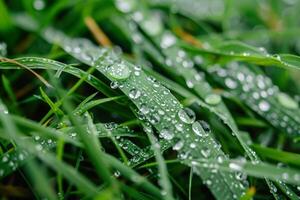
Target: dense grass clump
(153, 99)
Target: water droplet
(178, 145)
(134, 93)
(235, 166)
(119, 71)
(285, 176)
(154, 118)
(3, 49)
(3, 109)
(213, 99)
(287, 101)
(190, 83)
(166, 134)
(197, 128)
(152, 25)
(125, 5)
(231, 84)
(198, 60)
(205, 152)
(167, 40)
(193, 145)
(264, 106)
(114, 85)
(220, 159)
(4, 159)
(277, 57)
(144, 109)
(187, 115)
(39, 4)
(205, 126)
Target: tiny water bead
(119, 71)
(187, 115)
(287, 101)
(213, 99)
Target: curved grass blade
(145, 91)
(237, 51)
(258, 92)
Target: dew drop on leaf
(187, 115)
(134, 93)
(144, 109)
(231, 84)
(197, 128)
(125, 5)
(114, 85)
(264, 106)
(235, 166)
(167, 40)
(193, 145)
(166, 134)
(152, 25)
(205, 152)
(178, 145)
(119, 71)
(213, 99)
(205, 126)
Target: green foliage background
(152, 99)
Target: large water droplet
(187, 115)
(197, 128)
(205, 126)
(152, 25)
(39, 4)
(167, 40)
(213, 99)
(166, 134)
(231, 84)
(287, 101)
(235, 166)
(154, 118)
(125, 5)
(134, 93)
(119, 71)
(205, 152)
(264, 106)
(144, 109)
(178, 145)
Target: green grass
(150, 99)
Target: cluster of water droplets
(80, 48)
(258, 92)
(10, 162)
(157, 106)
